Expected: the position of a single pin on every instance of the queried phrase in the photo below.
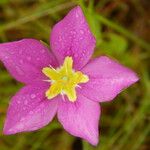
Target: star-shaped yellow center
(64, 80)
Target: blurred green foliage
(125, 121)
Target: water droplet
(81, 31)
(25, 102)
(38, 59)
(67, 53)
(77, 15)
(33, 96)
(42, 51)
(6, 57)
(28, 58)
(20, 52)
(81, 38)
(19, 71)
(55, 43)
(34, 128)
(59, 38)
(70, 37)
(19, 126)
(18, 102)
(12, 52)
(31, 112)
(24, 97)
(10, 130)
(22, 119)
(76, 55)
(21, 61)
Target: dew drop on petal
(42, 51)
(19, 71)
(18, 102)
(76, 55)
(25, 102)
(33, 96)
(22, 119)
(60, 38)
(31, 112)
(6, 57)
(21, 61)
(10, 130)
(38, 59)
(20, 126)
(81, 31)
(67, 53)
(28, 58)
(20, 52)
(77, 15)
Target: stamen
(64, 80)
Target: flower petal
(29, 110)
(25, 59)
(72, 37)
(107, 79)
(80, 118)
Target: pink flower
(73, 89)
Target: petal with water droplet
(20, 58)
(80, 118)
(30, 113)
(72, 37)
(107, 79)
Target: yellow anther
(64, 80)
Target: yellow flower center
(64, 80)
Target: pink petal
(107, 79)
(72, 37)
(25, 59)
(29, 110)
(80, 118)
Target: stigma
(64, 80)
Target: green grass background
(121, 28)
